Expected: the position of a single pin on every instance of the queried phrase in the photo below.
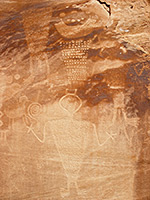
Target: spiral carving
(34, 109)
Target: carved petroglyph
(120, 121)
(72, 137)
(90, 20)
(74, 100)
(3, 136)
(74, 55)
(140, 67)
(34, 109)
(4, 144)
(31, 130)
(32, 119)
(64, 107)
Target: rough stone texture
(75, 100)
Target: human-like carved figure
(72, 138)
(120, 121)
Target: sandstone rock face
(75, 100)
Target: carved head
(70, 103)
(81, 20)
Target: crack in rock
(106, 6)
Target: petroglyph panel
(74, 55)
(74, 100)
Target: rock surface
(75, 100)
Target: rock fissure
(106, 6)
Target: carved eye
(75, 18)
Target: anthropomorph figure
(72, 138)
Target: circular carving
(9, 79)
(70, 99)
(17, 76)
(34, 109)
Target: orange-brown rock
(75, 100)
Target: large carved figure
(74, 99)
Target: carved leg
(65, 192)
